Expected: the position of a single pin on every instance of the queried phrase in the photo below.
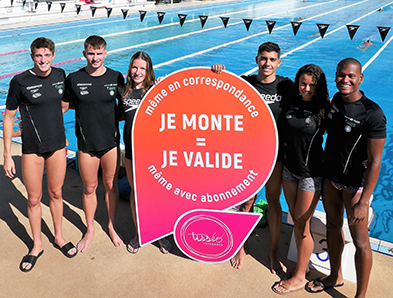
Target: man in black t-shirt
(38, 93)
(356, 129)
(92, 91)
(275, 91)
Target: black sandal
(66, 248)
(31, 260)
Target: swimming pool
(173, 47)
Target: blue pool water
(173, 47)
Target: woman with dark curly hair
(303, 155)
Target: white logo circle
(347, 128)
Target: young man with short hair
(38, 93)
(93, 90)
(356, 128)
(275, 91)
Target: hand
(67, 143)
(217, 68)
(9, 167)
(357, 214)
(159, 79)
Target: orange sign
(201, 141)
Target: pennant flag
(124, 12)
(270, 25)
(225, 21)
(49, 5)
(322, 29)
(23, 3)
(247, 22)
(383, 31)
(295, 27)
(108, 11)
(93, 10)
(182, 18)
(12, 2)
(35, 4)
(160, 15)
(203, 20)
(352, 30)
(78, 8)
(142, 14)
(62, 5)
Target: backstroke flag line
(201, 141)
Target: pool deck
(105, 270)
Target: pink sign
(201, 141)
(213, 236)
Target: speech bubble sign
(201, 141)
(213, 236)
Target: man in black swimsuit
(93, 90)
(275, 91)
(38, 92)
(356, 129)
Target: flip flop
(286, 290)
(165, 246)
(66, 248)
(135, 247)
(31, 260)
(318, 283)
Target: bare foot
(237, 260)
(84, 243)
(275, 264)
(117, 241)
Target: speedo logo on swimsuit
(269, 98)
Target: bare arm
(374, 155)
(65, 106)
(8, 124)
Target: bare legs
(88, 167)
(334, 202)
(133, 246)
(274, 216)
(301, 206)
(272, 191)
(130, 176)
(32, 172)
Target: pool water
(173, 47)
